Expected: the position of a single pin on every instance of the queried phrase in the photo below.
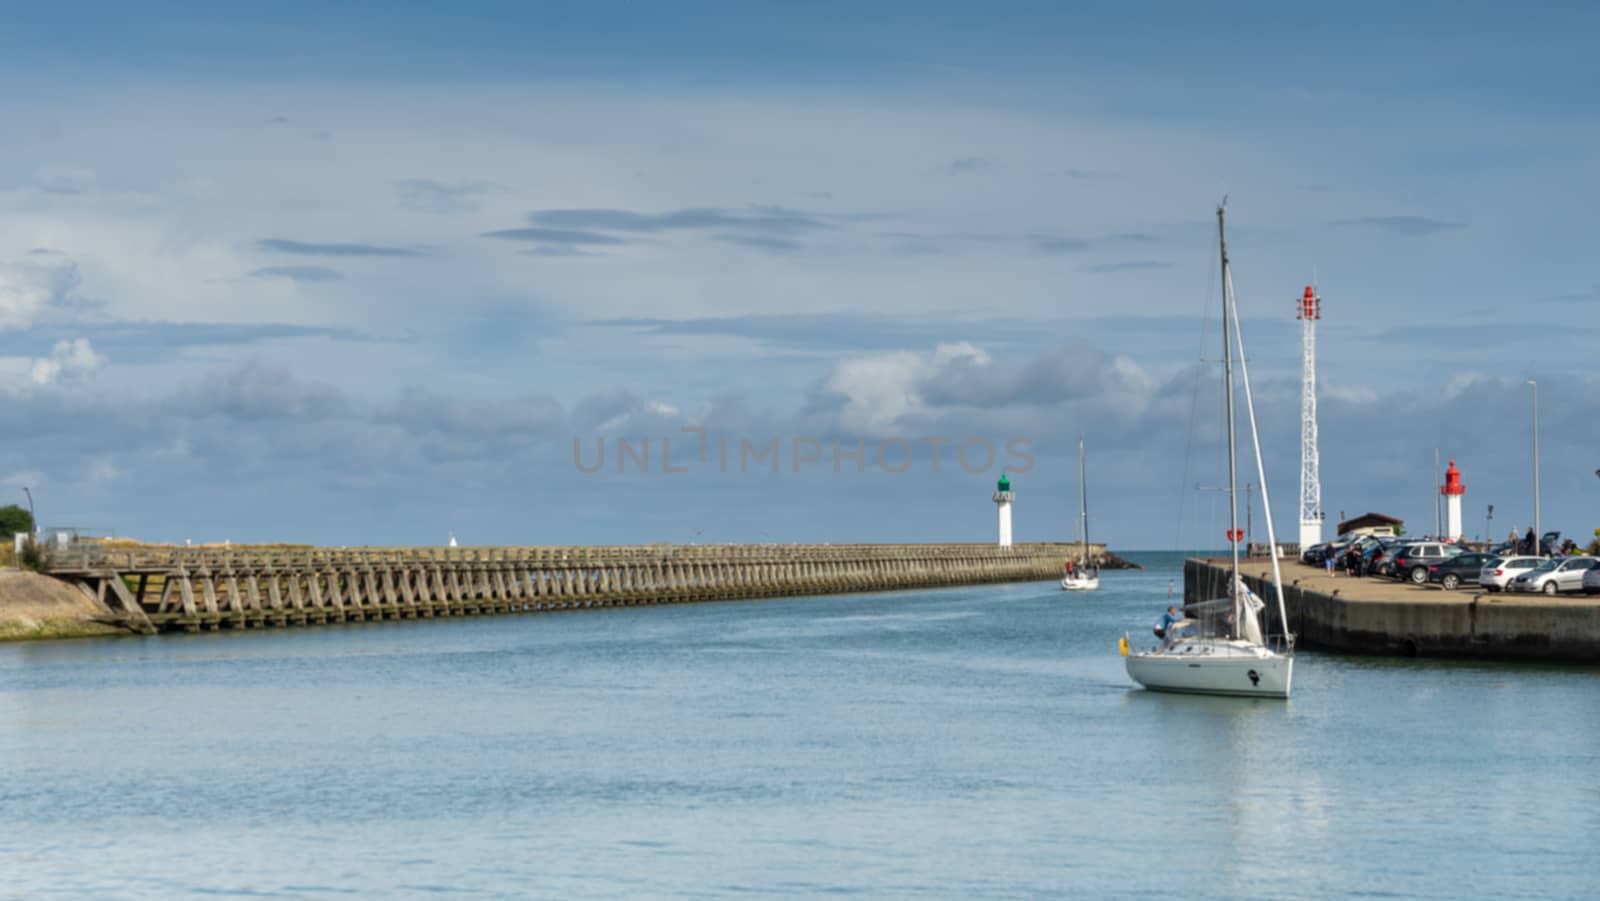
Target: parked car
(1414, 559)
(1461, 569)
(1317, 554)
(1383, 560)
(1548, 542)
(1497, 576)
(1591, 580)
(1555, 576)
(1371, 549)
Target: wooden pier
(151, 589)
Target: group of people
(1528, 544)
(1354, 561)
(1532, 546)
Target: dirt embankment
(35, 606)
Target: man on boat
(1167, 619)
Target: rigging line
(1261, 471)
(1194, 406)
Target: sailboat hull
(1221, 668)
(1080, 583)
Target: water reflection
(980, 742)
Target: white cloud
(1462, 382)
(58, 180)
(103, 470)
(638, 412)
(28, 290)
(1352, 394)
(69, 361)
(881, 390)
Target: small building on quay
(1371, 524)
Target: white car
(1497, 576)
(1591, 580)
(1555, 576)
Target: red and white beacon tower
(1452, 489)
(1310, 310)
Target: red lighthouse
(1452, 489)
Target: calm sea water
(963, 743)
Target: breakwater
(150, 589)
(1378, 616)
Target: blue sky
(363, 275)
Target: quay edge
(1368, 616)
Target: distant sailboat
(1084, 576)
(1221, 650)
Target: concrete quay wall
(1376, 616)
(151, 589)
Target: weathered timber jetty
(1377, 616)
(151, 589)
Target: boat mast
(1227, 382)
(1261, 473)
(1083, 499)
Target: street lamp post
(1538, 529)
(31, 515)
(1249, 508)
(1488, 528)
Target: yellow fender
(1122, 645)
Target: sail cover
(1236, 616)
(1249, 607)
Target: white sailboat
(1083, 575)
(1219, 648)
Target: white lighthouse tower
(1003, 496)
(1452, 489)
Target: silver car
(1555, 576)
(1591, 580)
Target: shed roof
(1368, 520)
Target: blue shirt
(1169, 618)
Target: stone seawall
(153, 589)
(1379, 616)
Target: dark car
(1462, 569)
(1383, 560)
(1414, 559)
(1548, 543)
(1317, 554)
